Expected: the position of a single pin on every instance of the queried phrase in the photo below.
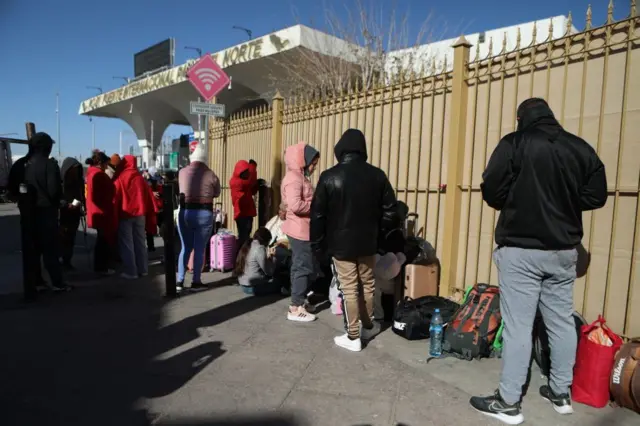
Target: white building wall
(439, 50)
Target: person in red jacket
(136, 213)
(244, 185)
(101, 215)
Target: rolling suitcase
(223, 250)
(420, 281)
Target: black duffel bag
(541, 350)
(412, 318)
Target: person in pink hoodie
(296, 190)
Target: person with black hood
(541, 178)
(44, 192)
(71, 213)
(353, 205)
(16, 178)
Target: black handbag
(412, 317)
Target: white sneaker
(350, 345)
(370, 333)
(300, 315)
(128, 277)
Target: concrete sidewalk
(117, 353)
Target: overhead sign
(202, 108)
(155, 57)
(207, 77)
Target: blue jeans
(133, 249)
(194, 227)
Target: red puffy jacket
(100, 210)
(134, 197)
(243, 190)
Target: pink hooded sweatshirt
(297, 191)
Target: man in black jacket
(71, 212)
(44, 194)
(541, 178)
(352, 204)
(33, 272)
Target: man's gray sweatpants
(530, 279)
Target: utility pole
(93, 134)
(149, 157)
(58, 126)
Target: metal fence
(433, 135)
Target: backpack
(412, 317)
(476, 325)
(541, 350)
(625, 376)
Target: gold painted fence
(434, 132)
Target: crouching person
(256, 265)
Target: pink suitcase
(223, 250)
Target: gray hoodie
(258, 268)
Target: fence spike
(433, 66)
(422, 69)
(550, 29)
(610, 12)
(589, 16)
(504, 43)
(518, 38)
(478, 51)
(444, 64)
(633, 9)
(491, 47)
(569, 23)
(412, 74)
(534, 35)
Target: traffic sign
(202, 108)
(192, 146)
(207, 77)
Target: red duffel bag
(597, 348)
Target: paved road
(94, 358)
(118, 353)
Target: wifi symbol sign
(207, 77)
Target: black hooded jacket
(352, 204)
(72, 186)
(42, 174)
(542, 178)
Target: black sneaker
(494, 406)
(199, 287)
(179, 286)
(561, 403)
(63, 288)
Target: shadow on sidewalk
(257, 420)
(82, 358)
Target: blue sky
(50, 46)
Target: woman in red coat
(244, 185)
(101, 215)
(136, 213)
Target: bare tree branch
(362, 47)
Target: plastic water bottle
(436, 332)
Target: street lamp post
(93, 124)
(196, 49)
(58, 126)
(127, 80)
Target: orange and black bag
(475, 325)
(625, 376)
